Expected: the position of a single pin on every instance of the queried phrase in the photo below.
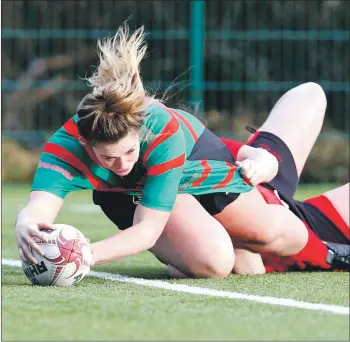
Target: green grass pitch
(99, 309)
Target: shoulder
(160, 119)
(65, 143)
(67, 132)
(157, 111)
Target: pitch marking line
(341, 310)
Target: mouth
(122, 172)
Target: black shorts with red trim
(324, 219)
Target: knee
(262, 237)
(219, 265)
(222, 268)
(216, 267)
(314, 92)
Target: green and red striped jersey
(164, 169)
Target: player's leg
(326, 218)
(261, 227)
(290, 132)
(330, 217)
(339, 198)
(194, 242)
(297, 119)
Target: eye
(130, 151)
(107, 158)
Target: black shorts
(323, 219)
(317, 212)
(117, 206)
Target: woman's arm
(148, 226)
(40, 212)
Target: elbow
(151, 243)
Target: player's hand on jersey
(259, 170)
(252, 171)
(26, 237)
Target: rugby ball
(66, 260)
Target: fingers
(22, 256)
(42, 226)
(246, 170)
(250, 172)
(41, 236)
(28, 254)
(34, 231)
(30, 242)
(255, 179)
(27, 241)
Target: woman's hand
(260, 167)
(27, 236)
(42, 207)
(252, 171)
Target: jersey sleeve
(56, 176)
(164, 155)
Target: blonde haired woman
(187, 196)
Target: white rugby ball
(66, 261)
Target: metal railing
(231, 55)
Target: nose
(120, 164)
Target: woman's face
(119, 157)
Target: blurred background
(226, 61)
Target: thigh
(327, 215)
(339, 198)
(297, 119)
(262, 227)
(194, 242)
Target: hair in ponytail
(118, 99)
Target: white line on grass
(341, 310)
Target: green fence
(232, 57)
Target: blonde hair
(118, 99)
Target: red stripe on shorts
(324, 205)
